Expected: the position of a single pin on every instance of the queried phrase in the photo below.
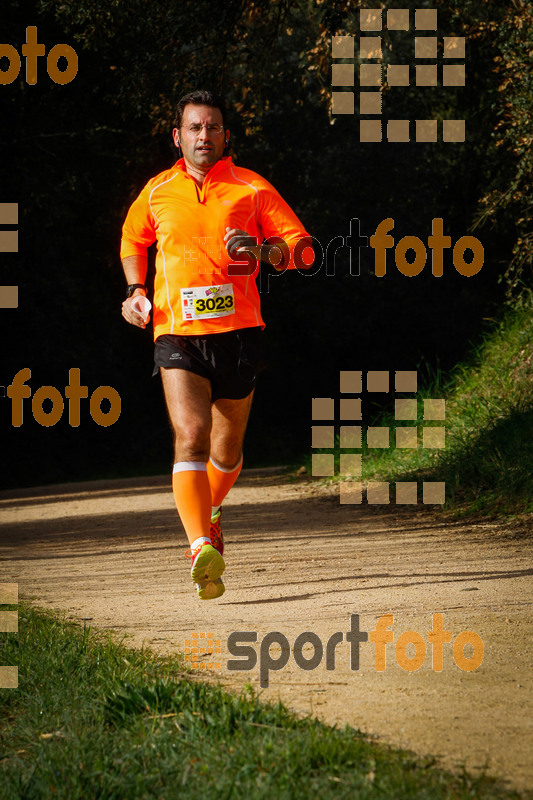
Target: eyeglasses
(196, 128)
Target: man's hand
(238, 241)
(132, 316)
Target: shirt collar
(222, 164)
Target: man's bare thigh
(200, 426)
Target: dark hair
(201, 97)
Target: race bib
(206, 302)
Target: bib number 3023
(207, 302)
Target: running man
(210, 219)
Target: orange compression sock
(192, 494)
(221, 480)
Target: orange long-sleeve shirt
(193, 292)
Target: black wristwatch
(132, 286)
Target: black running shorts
(231, 360)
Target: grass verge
(487, 463)
(94, 719)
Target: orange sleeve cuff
(129, 248)
(138, 231)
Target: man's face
(201, 146)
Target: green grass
(487, 463)
(94, 719)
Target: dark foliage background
(74, 156)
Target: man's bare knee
(191, 442)
(228, 460)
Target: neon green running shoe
(215, 533)
(211, 590)
(206, 569)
